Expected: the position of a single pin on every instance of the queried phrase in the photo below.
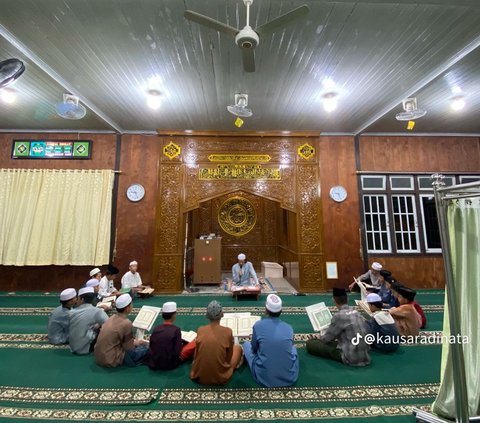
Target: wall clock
(338, 193)
(135, 192)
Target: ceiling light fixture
(330, 101)
(154, 99)
(8, 96)
(458, 103)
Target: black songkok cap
(339, 292)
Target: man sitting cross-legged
(406, 316)
(344, 340)
(216, 356)
(167, 349)
(115, 344)
(382, 326)
(59, 319)
(271, 355)
(85, 322)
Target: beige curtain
(55, 216)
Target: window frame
(424, 229)
(415, 224)
(387, 223)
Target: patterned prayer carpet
(39, 382)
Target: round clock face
(135, 192)
(338, 193)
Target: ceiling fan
(248, 38)
(411, 112)
(240, 107)
(10, 71)
(70, 108)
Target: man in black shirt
(167, 349)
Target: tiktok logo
(356, 340)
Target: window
(399, 211)
(431, 230)
(467, 179)
(376, 223)
(373, 182)
(401, 182)
(425, 182)
(405, 223)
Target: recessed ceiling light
(330, 101)
(154, 99)
(8, 95)
(458, 103)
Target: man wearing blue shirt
(59, 319)
(243, 273)
(271, 355)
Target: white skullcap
(68, 294)
(274, 303)
(376, 266)
(133, 263)
(242, 256)
(123, 301)
(94, 272)
(373, 298)
(93, 283)
(85, 290)
(170, 307)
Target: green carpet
(326, 390)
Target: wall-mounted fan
(240, 106)
(70, 108)
(10, 71)
(247, 38)
(411, 111)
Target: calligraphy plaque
(225, 172)
(237, 216)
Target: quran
(364, 287)
(319, 315)
(146, 317)
(107, 302)
(189, 336)
(248, 288)
(363, 305)
(146, 291)
(240, 323)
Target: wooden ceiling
(371, 53)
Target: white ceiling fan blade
(248, 56)
(283, 20)
(211, 23)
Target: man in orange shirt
(216, 356)
(406, 317)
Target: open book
(107, 302)
(363, 305)
(319, 315)
(240, 323)
(365, 288)
(248, 288)
(145, 319)
(189, 336)
(146, 291)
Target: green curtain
(464, 231)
